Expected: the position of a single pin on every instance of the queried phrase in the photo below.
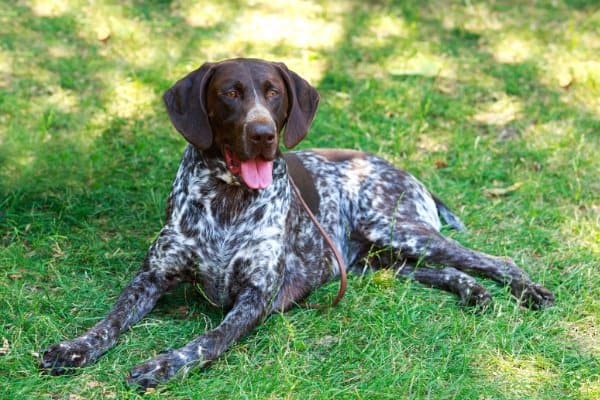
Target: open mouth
(256, 173)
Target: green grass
(466, 95)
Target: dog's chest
(235, 234)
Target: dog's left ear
(186, 105)
(303, 100)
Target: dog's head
(239, 107)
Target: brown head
(238, 108)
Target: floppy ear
(186, 105)
(303, 100)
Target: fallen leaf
(5, 347)
(440, 164)
(103, 33)
(565, 79)
(496, 192)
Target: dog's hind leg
(450, 279)
(418, 241)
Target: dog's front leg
(137, 299)
(249, 309)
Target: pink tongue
(257, 174)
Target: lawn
(495, 105)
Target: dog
(235, 228)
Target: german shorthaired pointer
(236, 229)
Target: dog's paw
(533, 295)
(62, 357)
(475, 296)
(153, 372)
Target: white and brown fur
(254, 252)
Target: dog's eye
(232, 94)
(271, 93)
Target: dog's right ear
(303, 99)
(186, 105)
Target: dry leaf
(565, 79)
(103, 33)
(496, 192)
(5, 347)
(440, 164)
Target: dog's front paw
(153, 372)
(533, 295)
(62, 357)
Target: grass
(467, 95)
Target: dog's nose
(261, 133)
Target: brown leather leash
(329, 242)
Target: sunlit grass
(519, 377)
(501, 110)
(130, 99)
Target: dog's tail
(448, 216)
